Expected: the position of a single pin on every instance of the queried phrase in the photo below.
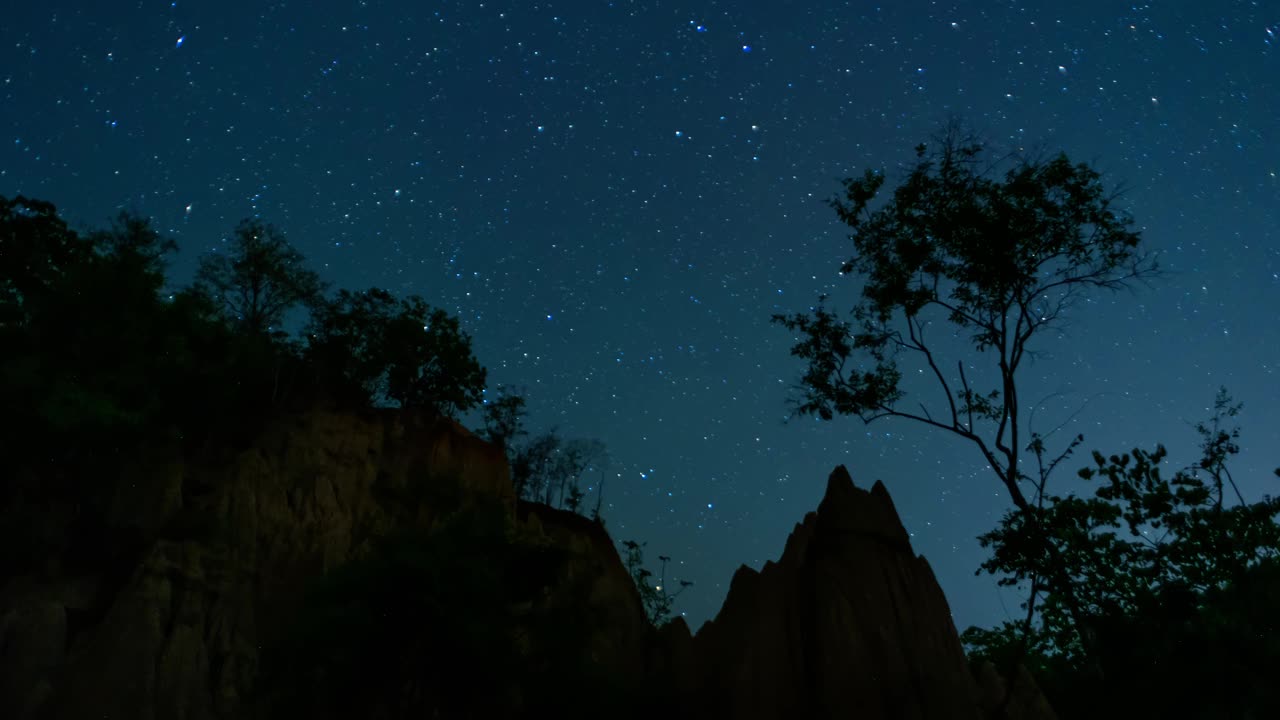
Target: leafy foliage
(102, 372)
(86, 337)
(1000, 259)
(132, 242)
(98, 367)
(396, 350)
(259, 280)
(1156, 567)
(36, 250)
(504, 418)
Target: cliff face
(847, 623)
(618, 629)
(229, 549)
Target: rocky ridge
(848, 623)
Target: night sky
(616, 196)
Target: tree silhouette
(504, 418)
(1001, 258)
(549, 469)
(36, 251)
(397, 350)
(533, 465)
(655, 596)
(545, 468)
(573, 459)
(1157, 566)
(98, 370)
(82, 326)
(259, 280)
(132, 241)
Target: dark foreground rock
(848, 623)
(380, 566)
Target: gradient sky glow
(615, 196)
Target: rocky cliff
(340, 558)
(228, 548)
(848, 623)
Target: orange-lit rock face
(178, 633)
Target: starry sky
(614, 196)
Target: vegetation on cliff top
(104, 367)
(102, 361)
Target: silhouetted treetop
(504, 418)
(999, 256)
(1156, 569)
(398, 350)
(132, 240)
(258, 280)
(982, 247)
(36, 250)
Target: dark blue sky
(615, 197)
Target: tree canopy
(99, 367)
(258, 280)
(36, 250)
(1001, 258)
(504, 418)
(132, 240)
(83, 328)
(401, 351)
(1167, 572)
